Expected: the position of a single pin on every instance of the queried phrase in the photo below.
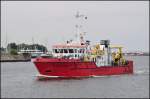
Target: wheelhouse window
(65, 51)
(75, 50)
(70, 50)
(55, 51)
(61, 50)
(81, 51)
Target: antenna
(79, 33)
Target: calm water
(18, 80)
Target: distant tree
(23, 46)
(39, 47)
(13, 52)
(12, 46)
(42, 48)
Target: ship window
(75, 55)
(78, 50)
(81, 51)
(61, 50)
(75, 50)
(70, 50)
(56, 51)
(65, 51)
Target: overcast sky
(49, 22)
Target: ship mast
(79, 27)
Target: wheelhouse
(70, 51)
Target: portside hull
(80, 69)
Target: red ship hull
(77, 68)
